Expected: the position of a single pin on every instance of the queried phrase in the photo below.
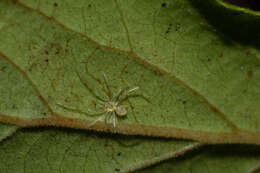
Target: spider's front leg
(125, 93)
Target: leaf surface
(6, 130)
(185, 92)
(59, 150)
(194, 83)
(214, 159)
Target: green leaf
(194, 81)
(60, 150)
(185, 91)
(6, 130)
(213, 159)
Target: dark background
(251, 4)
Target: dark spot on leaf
(214, 109)
(3, 68)
(47, 60)
(89, 5)
(117, 169)
(168, 29)
(46, 52)
(250, 74)
(178, 26)
(14, 1)
(164, 4)
(14, 107)
(94, 103)
(57, 51)
(209, 59)
(221, 55)
(119, 154)
(184, 102)
(55, 4)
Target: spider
(112, 106)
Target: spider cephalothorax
(111, 106)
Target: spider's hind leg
(96, 120)
(114, 119)
(79, 111)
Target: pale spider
(112, 106)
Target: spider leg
(114, 119)
(100, 102)
(107, 117)
(79, 111)
(132, 90)
(125, 94)
(89, 89)
(107, 86)
(118, 94)
(96, 120)
(128, 94)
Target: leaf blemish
(117, 169)
(3, 68)
(164, 4)
(168, 29)
(55, 4)
(250, 74)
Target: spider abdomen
(121, 111)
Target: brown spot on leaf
(57, 51)
(55, 4)
(3, 68)
(14, 1)
(250, 74)
(117, 169)
(213, 109)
